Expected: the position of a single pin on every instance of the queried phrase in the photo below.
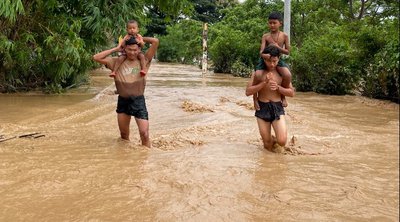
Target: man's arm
(153, 48)
(101, 57)
(283, 91)
(252, 87)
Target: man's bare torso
(266, 94)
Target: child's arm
(285, 49)
(263, 41)
(287, 45)
(255, 101)
(139, 40)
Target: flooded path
(207, 162)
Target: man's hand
(269, 76)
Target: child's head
(132, 27)
(272, 61)
(274, 21)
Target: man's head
(274, 21)
(272, 60)
(132, 27)
(132, 48)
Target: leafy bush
(240, 69)
(48, 44)
(382, 75)
(183, 43)
(323, 63)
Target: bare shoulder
(266, 34)
(258, 75)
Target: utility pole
(204, 61)
(286, 19)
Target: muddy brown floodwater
(206, 162)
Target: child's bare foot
(142, 72)
(112, 74)
(284, 103)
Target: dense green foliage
(338, 47)
(346, 47)
(182, 44)
(49, 43)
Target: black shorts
(270, 111)
(133, 106)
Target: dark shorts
(261, 64)
(270, 111)
(133, 106)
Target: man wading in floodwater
(267, 86)
(130, 85)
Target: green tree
(48, 44)
(182, 44)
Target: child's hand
(265, 56)
(275, 44)
(139, 39)
(127, 37)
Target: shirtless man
(130, 85)
(267, 85)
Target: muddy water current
(206, 163)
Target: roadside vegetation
(338, 47)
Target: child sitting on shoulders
(132, 28)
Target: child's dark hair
(132, 21)
(272, 50)
(275, 15)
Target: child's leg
(255, 101)
(118, 63)
(286, 80)
(142, 60)
(265, 132)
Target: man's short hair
(131, 41)
(275, 15)
(272, 50)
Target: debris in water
(188, 106)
